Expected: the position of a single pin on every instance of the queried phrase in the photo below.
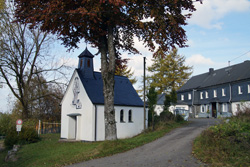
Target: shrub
(26, 136)
(226, 144)
(6, 122)
(166, 116)
(11, 138)
(179, 118)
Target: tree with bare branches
(23, 56)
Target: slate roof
(225, 75)
(124, 93)
(86, 53)
(161, 99)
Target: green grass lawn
(50, 152)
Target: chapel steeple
(85, 64)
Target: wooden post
(39, 127)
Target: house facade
(221, 92)
(159, 107)
(82, 107)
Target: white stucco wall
(125, 129)
(242, 105)
(84, 130)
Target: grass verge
(49, 152)
(226, 144)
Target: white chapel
(82, 107)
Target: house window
(224, 107)
(206, 95)
(223, 92)
(208, 109)
(182, 97)
(215, 93)
(248, 88)
(239, 90)
(201, 95)
(189, 96)
(130, 116)
(238, 107)
(203, 108)
(121, 116)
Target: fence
(49, 127)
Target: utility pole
(144, 90)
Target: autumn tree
(2, 5)
(122, 69)
(110, 26)
(23, 55)
(169, 72)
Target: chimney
(211, 70)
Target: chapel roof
(225, 75)
(86, 53)
(124, 92)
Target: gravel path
(173, 150)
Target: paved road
(173, 150)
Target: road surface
(172, 150)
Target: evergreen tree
(173, 96)
(169, 72)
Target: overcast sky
(218, 32)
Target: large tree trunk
(108, 70)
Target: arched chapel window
(130, 116)
(121, 116)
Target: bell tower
(85, 64)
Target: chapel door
(72, 127)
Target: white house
(82, 107)
(159, 107)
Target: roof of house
(161, 99)
(124, 92)
(225, 75)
